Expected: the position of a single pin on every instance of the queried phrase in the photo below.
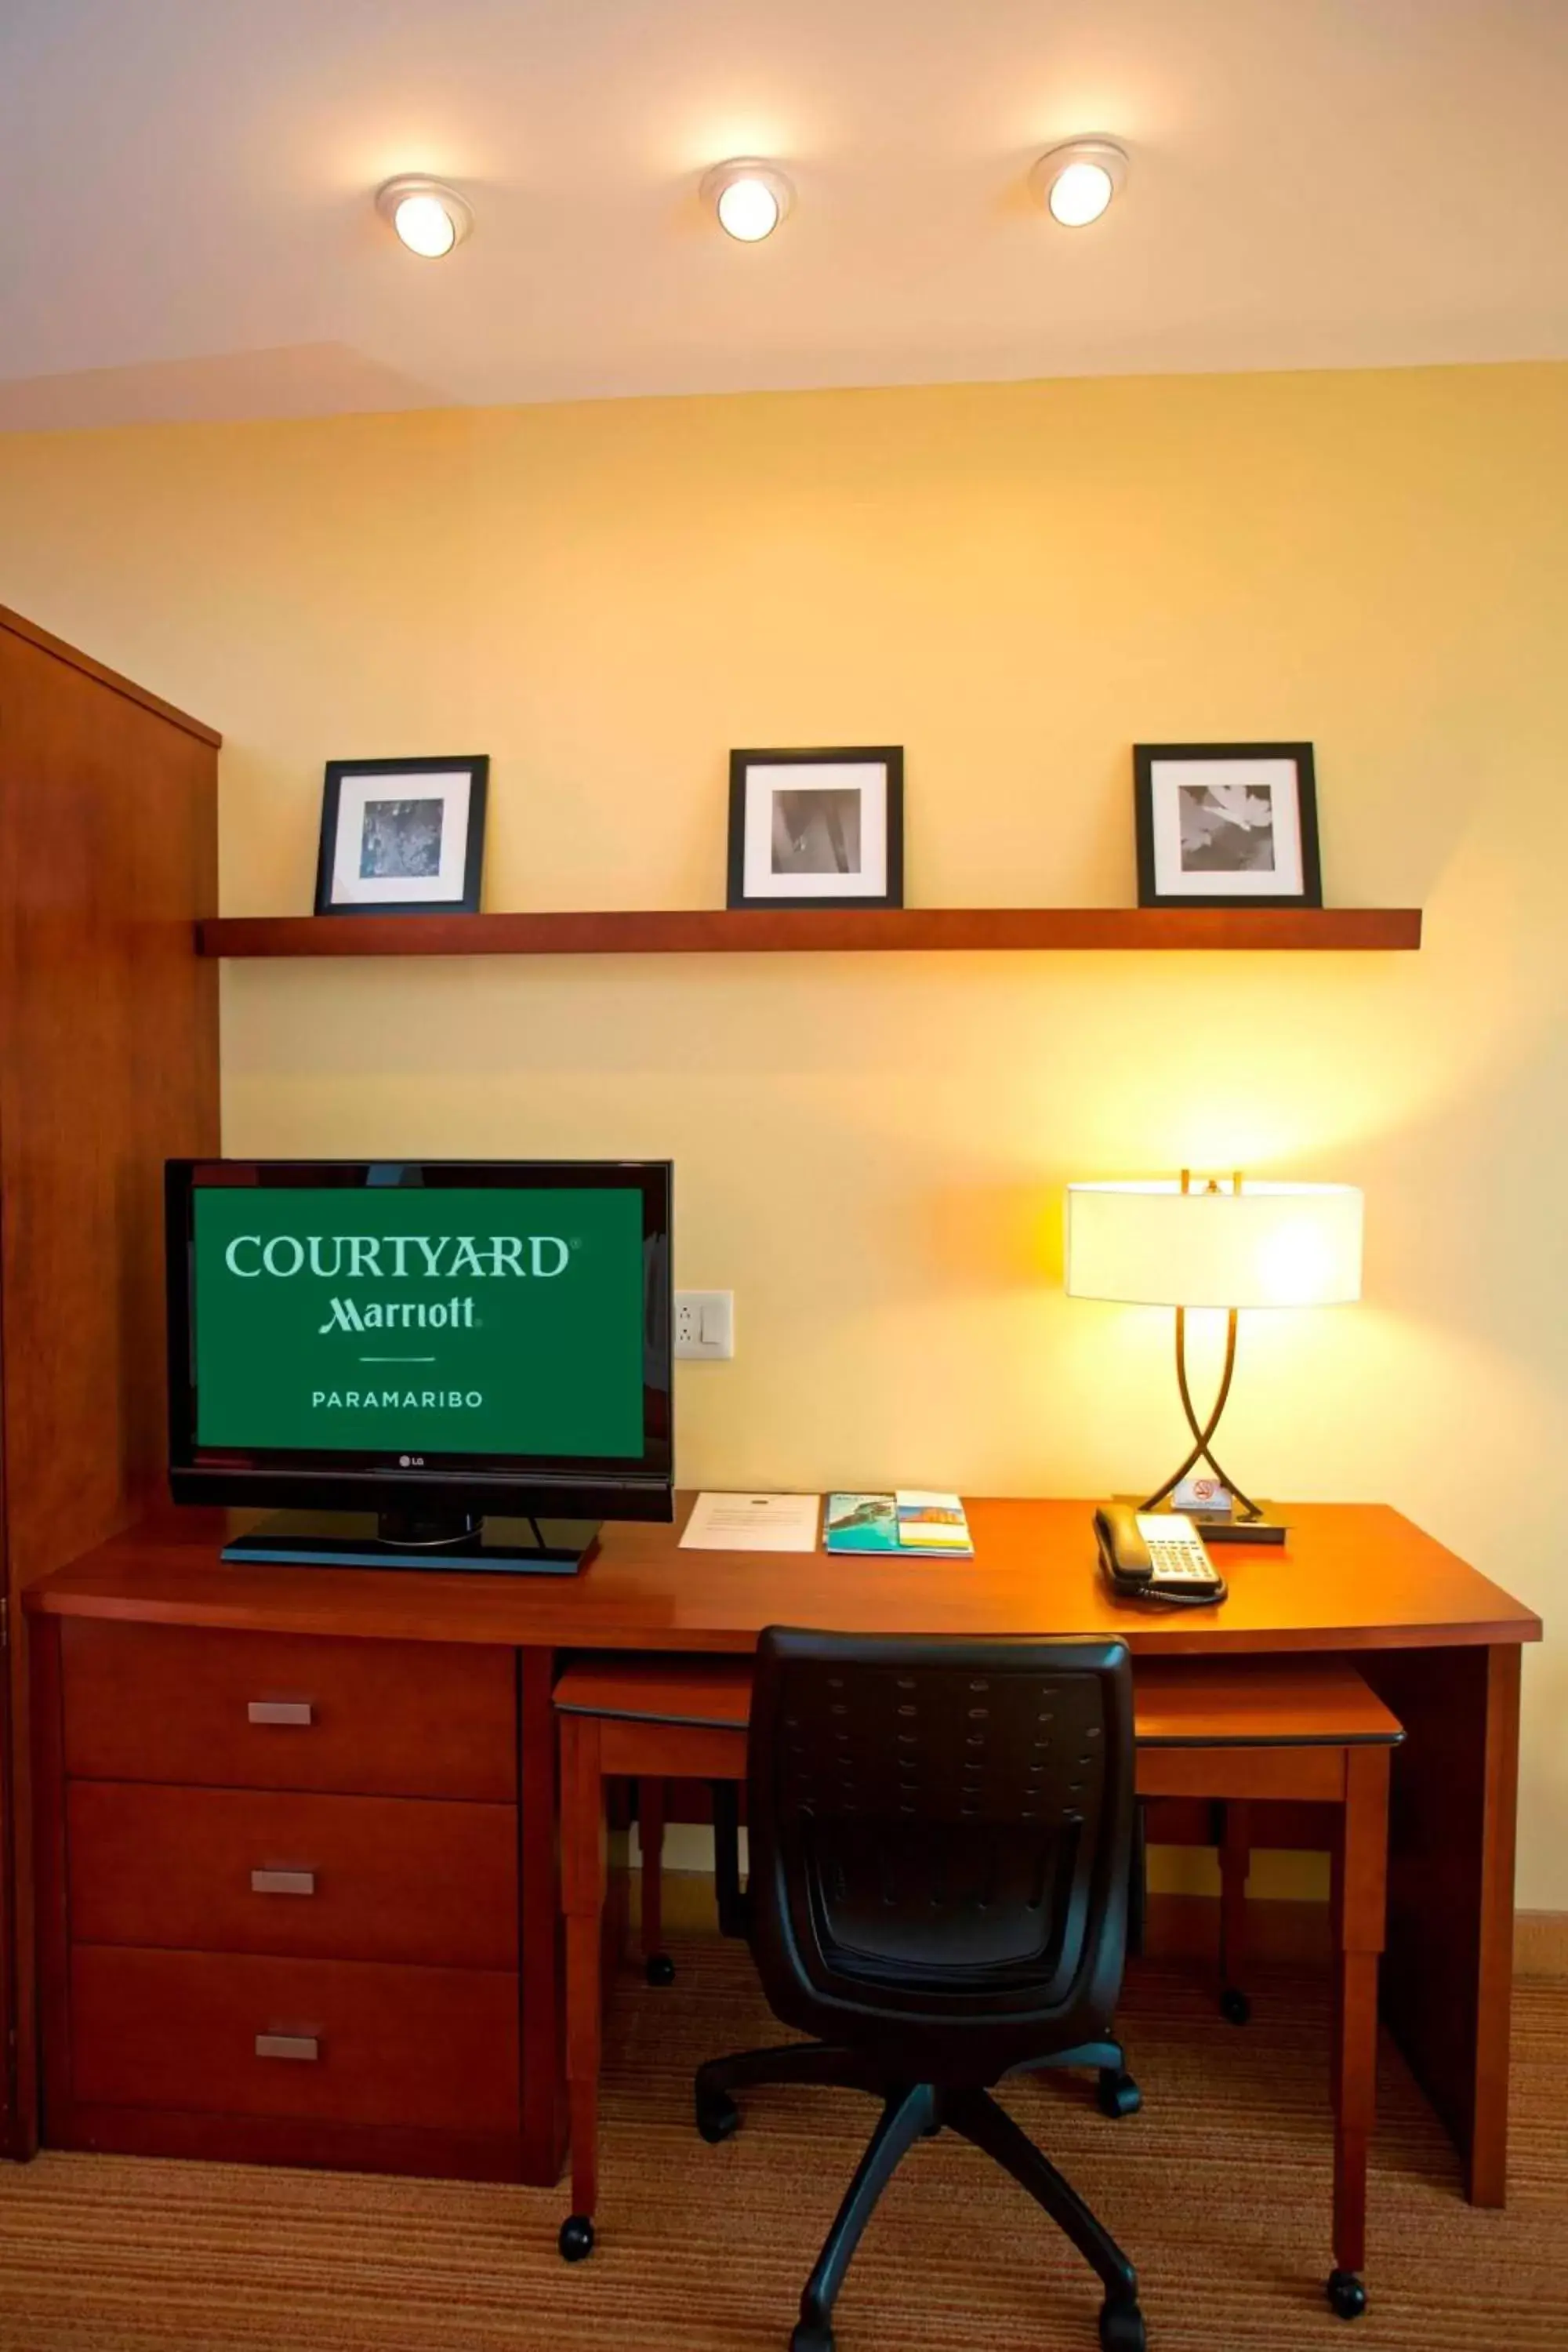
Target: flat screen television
(454, 1363)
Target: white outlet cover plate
(705, 1325)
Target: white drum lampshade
(1154, 1244)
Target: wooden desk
(1297, 1730)
(1435, 1639)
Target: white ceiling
(186, 194)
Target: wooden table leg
(657, 1965)
(1234, 1864)
(1447, 1980)
(1361, 1890)
(1337, 1938)
(541, 1959)
(583, 1895)
(1487, 2169)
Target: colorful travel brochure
(915, 1518)
(932, 1522)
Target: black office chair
(941, 1842)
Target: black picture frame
(340, 771)
(1152, 889)
(888, 756)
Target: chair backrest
(941, 1840)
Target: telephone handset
(1155, 1556)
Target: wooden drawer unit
(282, 1887)
(434, 2049)
(283, 1711)
(402, 1879)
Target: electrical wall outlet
(705, 1324)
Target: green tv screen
(426, 1320)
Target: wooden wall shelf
(740, 931)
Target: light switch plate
(705, 1324)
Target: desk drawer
(239, 1870)
(332, 2039)
(287, 1711)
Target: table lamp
(1214, 1243)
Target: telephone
(1155, 1556)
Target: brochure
(915, 1518)
(933, 1522)
(861, 1523)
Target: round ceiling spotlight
(1077, 180)
(751, 197)
(429, 217)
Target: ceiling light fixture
(1076, 181)
(751, 197)
(429, 217)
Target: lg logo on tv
(411, 1462)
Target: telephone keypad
(1175, 1549)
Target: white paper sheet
(752, 1523)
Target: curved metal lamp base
(1249, 1512)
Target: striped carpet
(1219, 2190)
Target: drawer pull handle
(306, 2046)
(283, 1882)
(282, 1710)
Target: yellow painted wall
(1016, 583)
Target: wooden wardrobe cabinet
(107, 1066)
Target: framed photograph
(401, 837)
(816, 828)
(1227, 825)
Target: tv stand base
(495, 1547)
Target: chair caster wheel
(1121, 2327)
(660, 1968)
(1233, 2006)
(1347, 2296)
(1117, 2095)
(718, 2116)
(576, 2239)
(811, 2336)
